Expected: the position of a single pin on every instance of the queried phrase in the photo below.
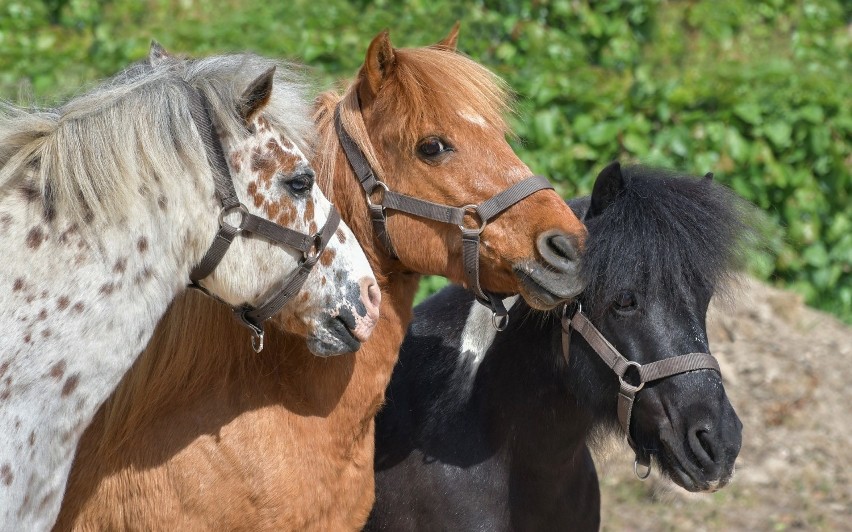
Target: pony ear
(157, 54)
(609, 183)
(708, 176)
(451, 41)
(256, 96)
(378, 65)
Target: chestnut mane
(417, 73)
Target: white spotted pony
(107, 204)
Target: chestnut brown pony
(284, 440)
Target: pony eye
(300, 183)
(624, 301)
(432, 147)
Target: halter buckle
(378, 185)
(239, 207)
(473, 209)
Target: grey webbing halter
(311, 246)
(659, 369)
(470, 236)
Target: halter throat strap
(481, 214)
(311, 246)
(640, 374)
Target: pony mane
(666, 233)
(96, 155)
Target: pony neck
(553, 423)
(84, 303)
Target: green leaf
(779, 133)
(737, 146)
(603, 133)
(812, 113)
(749, 113)
(636, 143)
(816, 255)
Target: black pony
(488, 431)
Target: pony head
(659, 247)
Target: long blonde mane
(97, 154)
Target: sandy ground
(788, 372)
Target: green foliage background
(758, 92)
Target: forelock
(666, 233)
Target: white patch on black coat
(476, 338)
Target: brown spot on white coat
(57, 371)
(66, 235)
(6, 474)
(70, 385)
(35, 237)
(327, 257)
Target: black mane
(664, 232)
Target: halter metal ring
(378, 185)
(239, 207)
(473, 209)
(312, 254)
(626, 385)
(500, 322)
(257, 341)
(578, 309)
(636, 470)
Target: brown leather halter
(641, 373)
(311, 246)
(470, 236)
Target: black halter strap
(641, 374)
(470, 236)
(311, 246)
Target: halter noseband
(470, 236)
(659, 369)
(311, 246)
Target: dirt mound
(788, 372)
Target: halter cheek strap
(311, 246)
(470, 235)
(644, 373)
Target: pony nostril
(704, 448)
(704, 440)
(371, 298)
(558, 249)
